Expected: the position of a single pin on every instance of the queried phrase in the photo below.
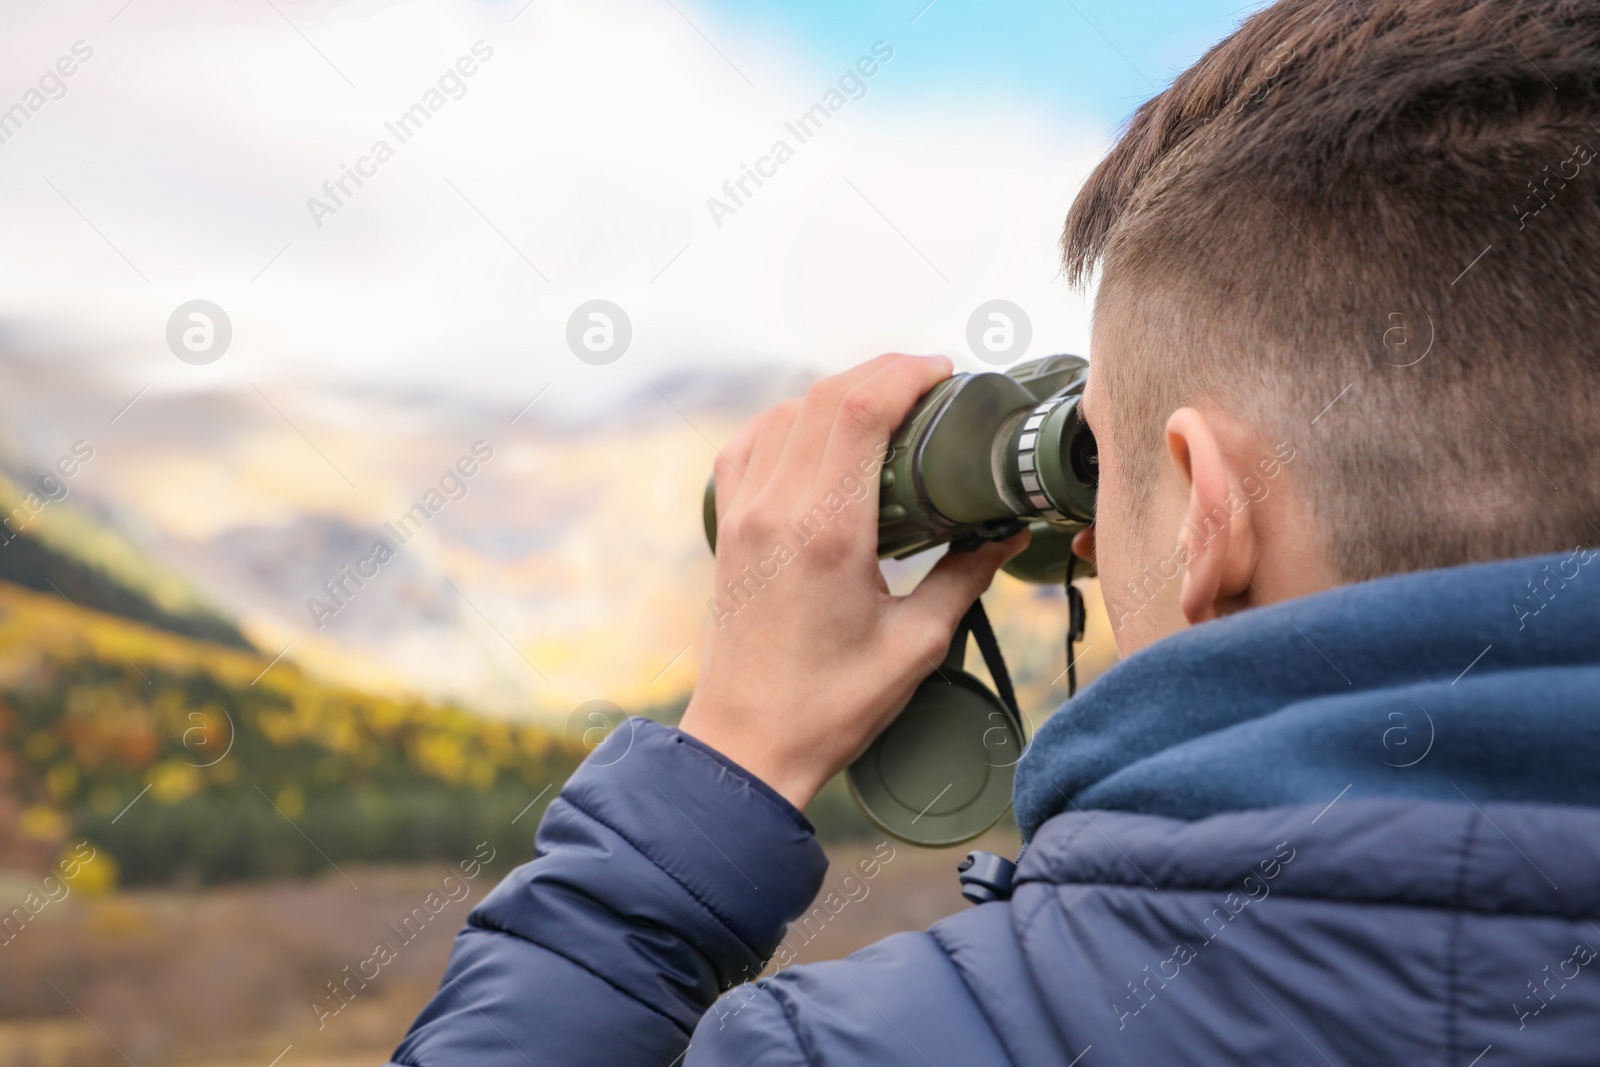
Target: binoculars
(979, 457)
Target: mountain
(210, 672)
(50, 544)
(173, 758)
(539, 551)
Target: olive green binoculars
(979, 457)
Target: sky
(187, 156)
(518, 162)
(1088, 60)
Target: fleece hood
(1467, 684)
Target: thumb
(957, 580)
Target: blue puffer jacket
(1358, 828)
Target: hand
(809, 657)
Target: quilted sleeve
(663, 876)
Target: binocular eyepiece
(979, 457)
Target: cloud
(585, 151)
(574, 164)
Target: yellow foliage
(173, 780)
(43, 823)
(93, 878)
(138, 700)
(439, 755)
(279, 726)
(291, 801)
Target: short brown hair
(1329, 174)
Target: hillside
(194, 761)
(137, 714)
(568, 567)
(50, 544)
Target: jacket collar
(1463, 684)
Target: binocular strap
(976, 622)
(1076, 618)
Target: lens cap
(942, 772)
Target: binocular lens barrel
(980, 456)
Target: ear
(1219, 535)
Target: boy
(1338, 802)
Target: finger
(809, 435)
(769, 442)
(936, 605)
(870, 412)
(728, 471)
(1083, 544)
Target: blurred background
(361, 365)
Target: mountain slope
(49, 544)
(190, 760)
